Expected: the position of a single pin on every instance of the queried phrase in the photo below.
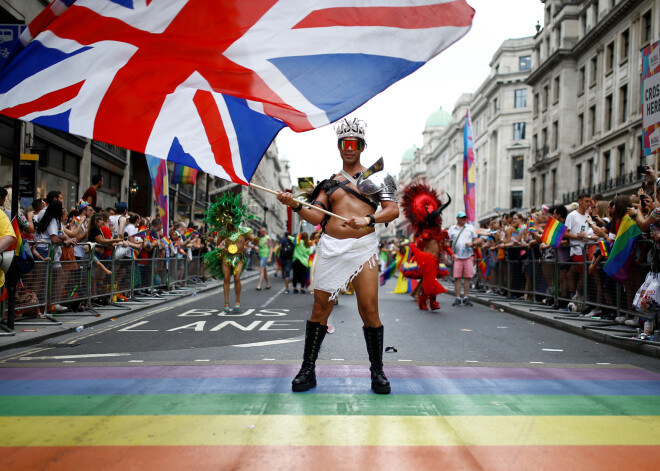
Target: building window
(608, 112)
(647, 27)
(494, 106)
(593, 72)
(546, 97)
(622, 159)
(554, 185)
(590, 173)
(516, 199)
(518, 131)
(536, 104)
(609, 58)
(583, 25)
(623, 103)
(544, 136)
(555, 90)
(555, 135)
(579, 176)
(517, 167)
(543, 187)
(625, 45)
(582, 79)
(520, 98)
(532, 203)
(525, 63)
(607, 165)
(592, 121)
(581, 128)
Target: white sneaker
(632, 322)
(60, 308)
(620, 319)
(331, 329)
(595, 311)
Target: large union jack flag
(209, 83)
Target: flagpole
(307, 205)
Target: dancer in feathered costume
(423, 210)
(224, 216)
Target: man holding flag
(347, 252)
(463, 238)
(578, 233)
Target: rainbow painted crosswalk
(245, 417)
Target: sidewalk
(30, 331)
(600, 330)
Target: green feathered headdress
(227, 209)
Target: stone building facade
(586, 82)
(501, 112)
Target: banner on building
(184, 175)
(469, 186)
(158, 173)
(651, 98)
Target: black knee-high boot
(306, 377)
(374, 338)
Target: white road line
(336, 359)
(69, 361)
(270, 342)
(405, 360)
(272, 298)
(70, 357)
(553, 350)
(603, 363)
(136, 361)
(471, 361)
(268, 359)
(537, 362)
(202, 360)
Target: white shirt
(461, 250)
(577, 223)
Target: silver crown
(345, 128)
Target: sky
(395, 118)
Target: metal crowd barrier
(549, 285)
(88, 284)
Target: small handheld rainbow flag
(553, 233)
(135, 254)
(184, 175)
(166, 241)
(603, 248)
(189, 233)
(298, 239)
(142, 232)
(182, 252)
(530, 225)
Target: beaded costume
(224, 217)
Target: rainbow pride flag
(244, 416)
(189, 233)
(184, 175)
(166, 241)
(17, 246)
(553, 233)
(620, 262)
(604, 249)
(142, 232)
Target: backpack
(286, 252)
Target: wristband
(372, 220)
(298, 209)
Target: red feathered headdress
(422, 207)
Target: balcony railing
(608, 186)
(541, 153)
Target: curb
(635, 346)
(115, 315)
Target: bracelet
(372, 220)
(298, 209)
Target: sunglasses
(354, 144)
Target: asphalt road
(270, 327)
